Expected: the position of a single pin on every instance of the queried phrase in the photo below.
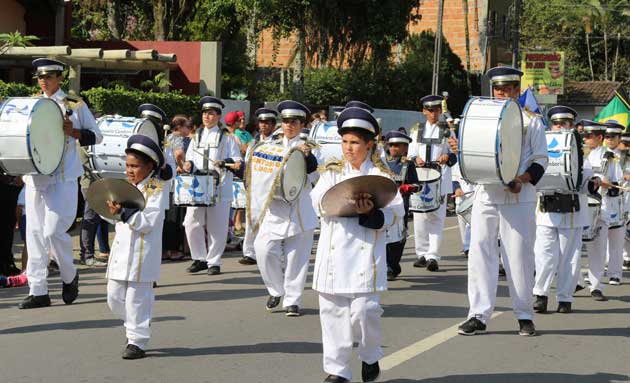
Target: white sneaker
(614, 281)
(93, 262)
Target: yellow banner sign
(543, 72)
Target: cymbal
(116, 190)
(339, 200)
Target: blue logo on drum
(129, 125)
(181, 184)
(236, 190)
(12, 108)
(552, 145)
(425, 196)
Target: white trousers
(427, 229)
(49, 213)
(607, 242)
(516, 225)
(557, 250)
(248, 242)
(464, 232)
(346, 319)
(616, 239)
(626, 250)
(206, 230)
(133, 303)
(296, 251)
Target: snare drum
(108, 158)
(195, 190)
(396, 232)
(239, 200)
(464, 207)
(617, 216)
(490, 141)
(564, 171)
(429, 196)
(592, 230)
(31, 136)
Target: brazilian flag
(617, 109)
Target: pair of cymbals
(340, 200)
(115, 190)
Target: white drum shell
(428, 199)
(464, 207)
(324, 133)
(31, 136)
(490, 141)
(239, 200)
(194, 190)
(591, 231)
(396, 232)
(617, 213)
(108, 158)
(564, 170)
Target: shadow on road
(78, 325)
(259, 348)
(520, 378)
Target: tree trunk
(605, 55)
(588, 51)
(298, 74)
(113, 24)
(467, 37)
(159, 13)
(614, 69)
(251, 35)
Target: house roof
(588, 92)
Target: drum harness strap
(559, 203)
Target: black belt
(560, 203)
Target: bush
(13, 89)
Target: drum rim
(496, 142)
(28, 135)
(439, 177)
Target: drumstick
(626, 189)
(232, 166)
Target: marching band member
(405, 176)
(559, 222)
(211, 148)
(429, 147)
(609, 171)
(135, 259)
(350, 265)
(287, 228)
(625, 146)
(51, 201)
(510, 213)
(266, 125)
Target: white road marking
(410, 352)
(445, 229)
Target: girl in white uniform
(136, 253)
(350, 265)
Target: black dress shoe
(272, 302)
(214, 270)
(293, 311)
(370, 372)
(578, 287)
(501, 270)
(432, 265)
(421, 262)
(526, 327)
(598, 296)
(540, 306)
(564, 307)
(197, 266)
(247, 261)
(391, 276)
(35, 301)
(70, 291)
(335, 379)
(133, 352)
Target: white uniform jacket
(351, 258)
(70, 168)
(284, 220)
(534, 151)
(570, 220)
(418, 149)
(136, 252)
(614, 174)
(220, 146)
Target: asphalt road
(216, 329)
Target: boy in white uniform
(210, 149)
(134, 263)
(51, 201)
(429, 146)
(350, 266)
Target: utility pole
(517, 15)
(437, 49)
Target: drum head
(509, 141)
(46, 138)
(147, 128)
(428, 174)
(293, 176)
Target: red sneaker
(17, 280)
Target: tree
(15, 39)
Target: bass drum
(31, 136)
(108, 158)
(490, 141)
(324, 133)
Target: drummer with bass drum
(51, 200)
(508, 211)
(562, 212)
(430, 149)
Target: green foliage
(126, 101)
(15, 39)
(12, 89)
